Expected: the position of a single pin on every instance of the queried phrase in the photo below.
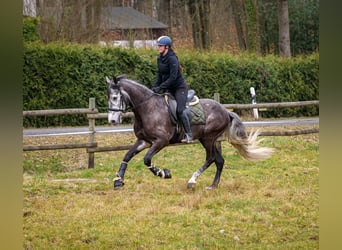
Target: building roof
(129, 18)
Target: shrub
(30, 29)
(59, 76)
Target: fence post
(92, 133)
(217, 97)
(255, 110)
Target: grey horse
(154, 129)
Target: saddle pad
(197, 114)
(196, 109)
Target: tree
(284, 28)
(263, 26)
(30, 8)
(70, 20)
(199, 11)
(239, 14)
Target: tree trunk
(164, 13)
(237, 10)
(284, 29)
(195, 23)
(30, 8)
(261, 30)
(252, 26)
(204, 12)
(199, 14)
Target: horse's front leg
(155, 148)
(135, 149)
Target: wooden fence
(93, 114)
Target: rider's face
(162, 49)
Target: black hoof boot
(167, 173)
(191, 185)
(118, 183)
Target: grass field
(263, 205)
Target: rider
(170, 78)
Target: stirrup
(187, 139)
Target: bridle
(122, 106)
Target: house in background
(127, 27)
(71, 21)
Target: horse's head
(116, 100)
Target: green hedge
(30, 29)
(275, 79)
(59, 76)
(65, 76)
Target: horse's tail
(247, 145)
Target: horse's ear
(108, 80)
(119, 77)
(115, 79)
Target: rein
(136, 106)
(122, 101)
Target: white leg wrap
(161, 173)
(194, 177)
(117, 178)
(192, 180)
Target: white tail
(247, 145)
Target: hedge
(30, 29)
(63, 75)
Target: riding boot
(186, 124)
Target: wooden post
(217, 97)
(91, 134)
(255, 110)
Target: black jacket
(169, 76)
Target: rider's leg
(181, 96)
(187, 127)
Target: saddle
(193, 107)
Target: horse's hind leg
(192, 182)
(213, 155)
(219, 162)
(210, 158)
(135, 149)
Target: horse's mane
(117, 78)
(123, 78)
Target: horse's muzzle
(114, 117)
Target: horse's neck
(137, 94)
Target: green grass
(264, 205)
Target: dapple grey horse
(155, 130)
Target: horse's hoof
(118, 184)
(191, 185)
(211, 187)
(167, 173)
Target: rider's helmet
(164, 40)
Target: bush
(275, 79)
(30, 29)
(59, 76)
